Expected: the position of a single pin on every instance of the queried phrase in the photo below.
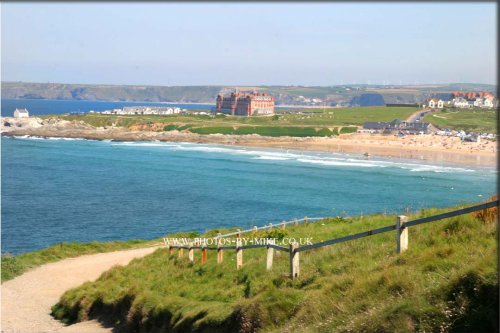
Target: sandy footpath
(27, 299)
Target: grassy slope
(326, 123)
(478, 120)
(446, 281)
(13, 266)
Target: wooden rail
(401, 228)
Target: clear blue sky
(249, 44)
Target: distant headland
(305, 96)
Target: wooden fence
(401, 227)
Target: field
(323, 122)
(477, 120)
(446, 282)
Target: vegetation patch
(266, 131)
(446, 281)
(318, 118)
(474, 120)
(348, 129)
(13, 266)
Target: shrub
(489, 214)
(276, 233)
(170, 127)
(351, 129)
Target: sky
(248, 43)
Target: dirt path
(27, 299)
(416, 115)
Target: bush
(489, 214)
(345, 130)
(170, 127)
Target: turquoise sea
(56, 190)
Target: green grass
(447, 281)
(295, 131)
(300, 124)
(344, 130)
(477, 120)
(13, 266)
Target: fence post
(295, 222)
(191, 252)
(283, 225)
(255, 229)
(270, 226)
(167, 245)
(294, 261)
(270, 253)
(204, 252)
(401, 234)
(305, 219)
(180, 252)
(220, 254)
(170, 250)
(239, 254)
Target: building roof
(445, 97)
(374, 125)
(21, 110)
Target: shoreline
(320, 145)
(433, 148)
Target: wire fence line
(401, 227)
(270, 226)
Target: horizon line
(257, 85)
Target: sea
(43, 106)
(75, 190)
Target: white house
(490, 102)
(21, 113)
(436, 103)
(433, 103)
(479, 102)
(461, 102)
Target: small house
(436, 103)
(433, 103)
(21, 113)
(490, 102)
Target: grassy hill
(477, 120)
(328, 122)
(446, 282)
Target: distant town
(143, 110)
(464, 100)
(252, 103)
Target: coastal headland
(433, 148)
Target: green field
(446, 282)
(476, 120)
(324, 122)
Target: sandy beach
(433, 148)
